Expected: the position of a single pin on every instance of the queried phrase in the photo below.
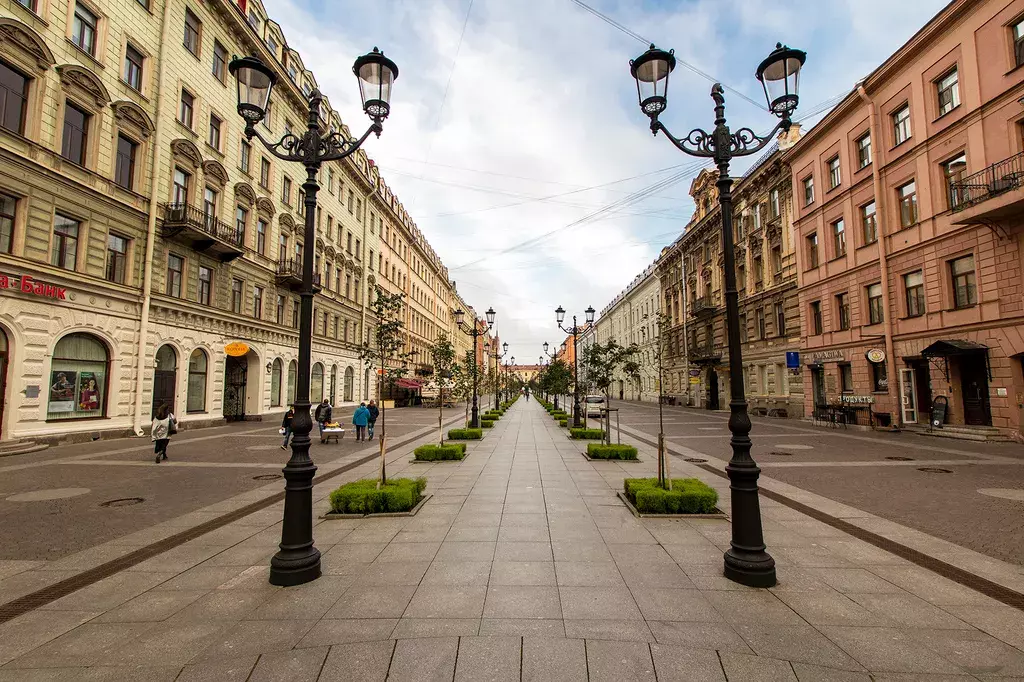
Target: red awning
(408, 383)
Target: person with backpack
(286, 427)
(359, 420)
(371, 420)
(322, 416)
(163, 427)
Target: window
(359, 210)
(739, 225)
(869, 223)
(964, 289)
(182, 183)
(265, 173)
(192, 28)
(913, 285)
(272, 45)
(13, 99)
(808, 190)
(254, 19)
(812, 250)
(948, 88)
(846, 377)
(124, 166)
(117, 258)
(901, 124)
(257, 302)
(236, 295)
(780, 319)
(220, 62)
(953, 175)
(196, 398)
(1018, 43)
(351, 201)
(843, 311)
(78, 378)
(330, 180)
(349, 245)
(759, 321)
(28, 4)
(879, 377)
(261, 237)
(286, 191)
(76, 134)
(175, 269)
(907, 197)
(210, 196)
(300, 202)
(758, 272)
(295, 314)
(186, 108)
(777, 263)
(246, 156)
(133, 67)
(864, 151)
(83, 29)
(839, 237)
(293, 373)
(65, 242)
(834, 173)
(330, 227)
(358, 249)
(205, 285)
(8, 207)
(816, 316)
(214, 138)
(743, 328)
(875, 310)
(348, 286)
(337, 279)
(280, 309)
(275, 383)
(773, 203)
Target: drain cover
(695, 460)
(900, 459)
(781, 454)
(267, 477)
(935, 470)
(123, 502)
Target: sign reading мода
(27, 285)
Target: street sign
(236, 349)
(792, 359)
(876, 356)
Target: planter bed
(359, 499)
(686, 494)
(586, 434)
(449, 452)
(465, 434)
(597, 452)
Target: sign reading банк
(27, 285)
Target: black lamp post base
(295, 567)
(750, 568)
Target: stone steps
(9, 448)
(981, 434)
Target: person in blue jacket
(359, 419)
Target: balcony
(289, 274)
(705, 353)
(993, 196)
(202, 232)
(704, 307)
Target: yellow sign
(236, 349)
(695, 380)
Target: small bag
(172, 427)
(280, 431)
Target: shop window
(350, 376)
(879, 377)
(8, 207)
(13, 99)
(316, 383)
(78, 378)
(293, 373)
(275, 383)
(197, 364)
(846, 377)
(334, 383)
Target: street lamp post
(574, 331)
(552, 356)
(497, 378)
(746, 561)
(474, 331)
(298, 561)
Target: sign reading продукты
(27, 285)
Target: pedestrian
(359, 419)
(371, 420)
(322, 416)
(286, 427)
(163, 427)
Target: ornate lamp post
(473, 329)
(746, 561)
(551, 356)
(298, 561)
(497, 379)
(574, 330)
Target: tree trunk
(383, 432)
(440, 412)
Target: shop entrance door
(712, 389)
(974, 389)
(908, 396)
(236, 372)
(818, 386)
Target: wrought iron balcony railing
(186, 215)
(704, 306)
(994, 180)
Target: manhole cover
(900, 459)
(123, 502)
(695, 460)
(267, 477)
(781, 454)
(935, 470)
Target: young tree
(462, 387)
(557, 379)
(442, 353)
(602, 362)
(384, 352)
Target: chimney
(787, 140)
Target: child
(161, 431)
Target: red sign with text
(27, 285)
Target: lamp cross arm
(335, 147)
(288, 148)
(312, 147)
(721, 142)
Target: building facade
(631, 319)
(150, 254)
(909, 218)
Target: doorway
(712, 389)
(236, 373)
(922, 386)
(974, 389)
(818, 385)
(908, 396)
(165, 377)
(3, 378)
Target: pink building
(909, 200)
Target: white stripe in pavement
(880, 463)
(212, 465)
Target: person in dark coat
(359, 420)
(286, 424)
(371, 421)
(322, 416)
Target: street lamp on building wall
(473, 329)
(746, 561)
(574, 330)
(298, 561)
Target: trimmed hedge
(491, 414)
(363, 497)
(486, 423)
(434, 452)
(465, 434)
(599, 451)
(559, 415)
(563, 423)
(688, 496)
(586, 434)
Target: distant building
(631, 318)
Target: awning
(408, 383)
(953, 347)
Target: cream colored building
(141, 235)
(631, 318)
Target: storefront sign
(27, 285)
(792, 359)
(876, 356)
(857, 399)
(695, 380)
(823, 355)
(236, 349)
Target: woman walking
(286, 427)
(359, 420)
(162, 428)
(371, 421)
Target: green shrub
(586, 434)
(688, 496)
(563, 423)
(492, 414)
(434, 452)
(465, 434)
(486, 423)
(559, 415)
(363, 497)
(599, 451)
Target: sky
(516, 143)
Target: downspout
(154, 186)
(883, 258)
(686, 339)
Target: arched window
(165, 377)
(196, 399)
(275, 383)
(334, 384)
(293, 373)
(316, 383)
(350, 376)
(78, 378)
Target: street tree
(557, 379)
(603, 362)
(462, 387)
(442, 354)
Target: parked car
(595, 403)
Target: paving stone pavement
(524, 565)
